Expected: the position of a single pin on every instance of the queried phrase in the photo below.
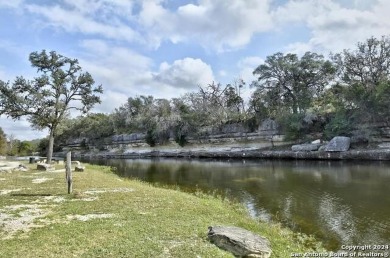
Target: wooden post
(68, 171)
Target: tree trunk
(68, 172)
(50, 147)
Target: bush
(339, 125)
(292, 126)
(151, 138)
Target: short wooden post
(68, 171)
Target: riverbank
(108, 216)
(237, 152)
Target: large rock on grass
(79, 169)
(45, 167)
(240, 242)
(338, 143)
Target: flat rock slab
(45, 167)
(306, 147)
(240, 242)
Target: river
(339, 202)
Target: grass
(107, 216)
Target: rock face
(338, 143)
(306, 147)
(268, 127)
(240, 242)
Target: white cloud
(21, 129)
(333, 27)
(185, 73)
(115, 65)
(218, 25)
(77, 20)
(110, 100)
(10, 4)
(222, 73)
(224, 24)
(247, 65)
(125, 73)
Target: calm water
(338, 202)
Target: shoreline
(241, 153)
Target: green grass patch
(107, 216)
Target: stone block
(338, 143)
(240, 242)
(305, 147)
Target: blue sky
(166, 48)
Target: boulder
(79, 169)
(76, 163)
(240, 242)
(338, 143)
(45, 167)
(306, 147)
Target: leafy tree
(13, 148)
(364, 74)
(46, 100)
(292, 82)
(3, 142)
(25, 148)
(42, 146)
(92, 126)
(234, 102)
(340, 124)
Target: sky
(166, 48)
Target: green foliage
(92, 126)
(340, 124)
(25, 148)
(292, 126)
(46, 100)
(3, 142)
(151, 138)
(292, 82)
(365, 75)
(308, 95)
(382, 101)
(42, 146)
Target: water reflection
(339, 202)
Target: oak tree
(46, 100)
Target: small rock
(318, 141)
(22, 168)
(240, 242)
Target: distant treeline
(310, 96)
